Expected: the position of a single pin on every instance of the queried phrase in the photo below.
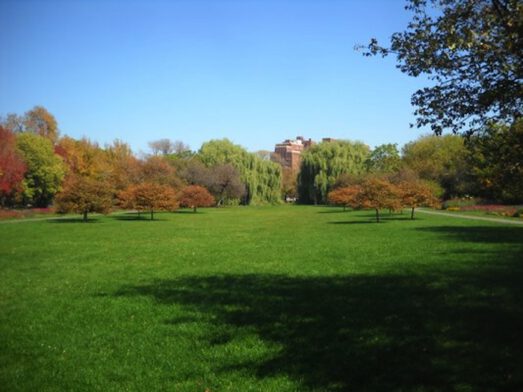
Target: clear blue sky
(256, 72)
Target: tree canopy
(262, 178)
(45, 170)
(323, 163)
(472, 50)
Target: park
(223, 195)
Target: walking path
(495, 220)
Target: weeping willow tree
(323, 163)
(262, 178)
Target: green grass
(289, 298)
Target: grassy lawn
(289, 298)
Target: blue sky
(256, 72)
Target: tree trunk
(377, 215)
(152, 214)
(85, 216)
(412, 213)
(194, 209)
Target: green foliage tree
(441, 159)
(262, 178)
(323, 163)
(384, 159)
(84, 195)
(472, 50)
(45, 170)
(496, 161)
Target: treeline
(486, 165)
(39, 168)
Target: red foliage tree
(194, 196)
(12, 166)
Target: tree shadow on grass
(372, 219)
(436, 331)
(483, 234)
(73, 220)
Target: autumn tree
(12, 166)
(149, 197)
(415, 194)
(472, 51)
(194, 196)
(82, 157)
(378, 193)
(349, 196)
(158, 170)
(39, 121)
(84, 195)
(123, 169)
(45, 170)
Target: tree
(194, 196)
(12, 166)
(82, 157)
(84, 195)
(441, 159)
(13, 122)
(161, 147)
(158, 170)
(323, 163)
(149, 197)
(225, 184)
(348, 196)
(45, 170)
(288, 183)
(495, 158)
(39, 121)
(262, 178)
(377, 193)
(384, 159)
(472, 50)
(416, 193)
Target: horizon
(256, 73)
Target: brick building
(288, 153)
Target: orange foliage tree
(416, 193)
(377, 193)
(149, 197)
(84, 195)
(194, 196)
(347, 196)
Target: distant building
(288, 153)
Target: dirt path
(495, 220)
